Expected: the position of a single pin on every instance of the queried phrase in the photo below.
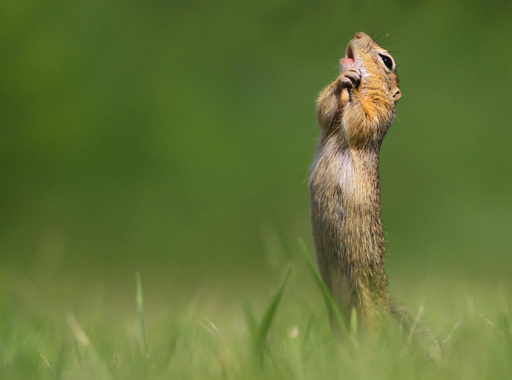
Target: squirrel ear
(397, 94)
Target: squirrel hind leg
(344, 296)
(401, 314)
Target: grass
(329, 302)
(291, 340)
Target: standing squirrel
(354, 113)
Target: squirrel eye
(387, 61)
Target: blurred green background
(175, 138)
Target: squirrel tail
(401, 314)
(421, 335)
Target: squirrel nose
(359, 35)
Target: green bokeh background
(175, 138)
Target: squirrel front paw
(350, 78)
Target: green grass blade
(249, 318)
(141, 329)
(415, 324)
(504, 321)
(268, 318)
(331, 306)
(307, 331)
(353, 323)
(90, 356)
(61, 361)
(505, 325)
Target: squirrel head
(377, 66)
(373, 98)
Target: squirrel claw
(350, 78)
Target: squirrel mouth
(348, 60)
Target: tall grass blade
(60, 362)
(268, 318)
(415, 324)
(450, 335)
(505, 325)
(90, 356)
(249, 318)
(307, 331)
(141, 329)
(504, 321)
(489, 322)
(353, 323)
(331, 306)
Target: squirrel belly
(354, 113)
(347, 229)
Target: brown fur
(354, 113)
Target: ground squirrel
(354, 113)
